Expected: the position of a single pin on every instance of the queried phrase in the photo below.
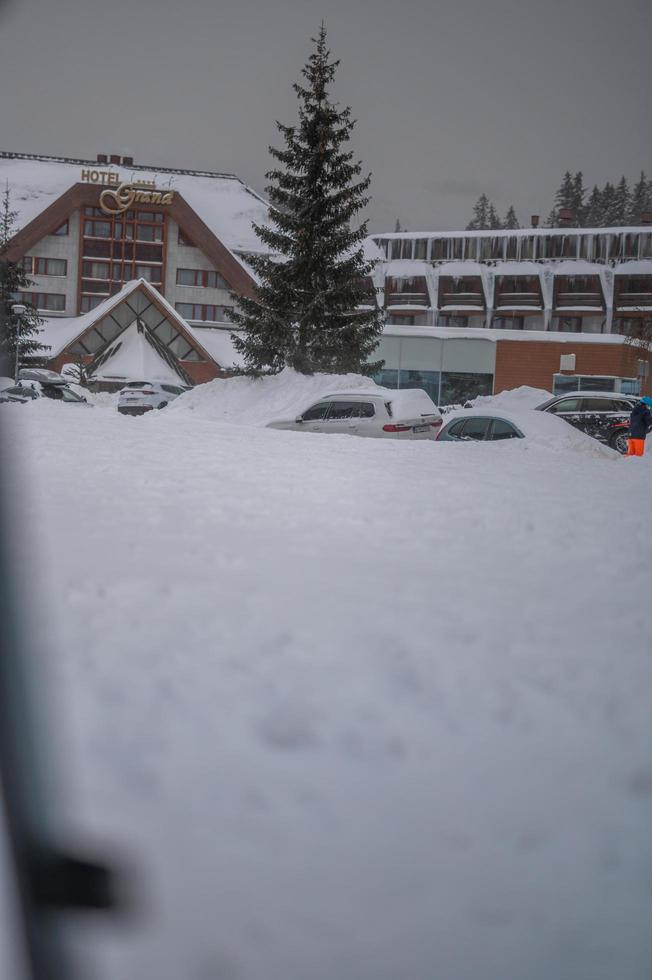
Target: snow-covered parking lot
(351, 709)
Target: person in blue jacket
(640, 423)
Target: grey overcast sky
(452, 98)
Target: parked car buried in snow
(549, 431)
(36, 383)
(139, 397)
(407, 413)
(601, 414)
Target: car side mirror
(298, 419)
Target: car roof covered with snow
(547, 430)
(403, 400)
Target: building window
(204, 313)
(563, 383)
(35, 266)
(151, 273)
(185, 240)
(50, 302)
(90, 302)
(204, 278)
(96, 270)
(97, 229)
(62, 229)
(445, 388)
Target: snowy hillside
(348, 709)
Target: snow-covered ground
(347, 708)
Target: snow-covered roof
(222, 201)
(486, 333)
(510, 232)
(217, 342)
(59, 331)
(131, 357)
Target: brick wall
(526, 362)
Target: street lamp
(19, 310)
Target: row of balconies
(513, 292)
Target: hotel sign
(118, 197)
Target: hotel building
(134, 269)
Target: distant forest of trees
(614, 204)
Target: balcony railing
(408, 299)
(462, 299)
(577, 299)
(631, 300)
(507, 301)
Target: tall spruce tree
(493, 221)
(480, 218)
(13, 281)
(578, 199)
(609, 205)
(640, 200)
(593, 216)
(564, 198)
(510, 220)
(622, 201)
(309, 310)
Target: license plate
(420, 428)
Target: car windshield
(61, 393)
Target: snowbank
(517, 399)
(514, 399)
(249, 401)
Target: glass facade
(451, 371)
(157, 328)
(117, 249)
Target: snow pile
(514, 399)
(257, 401)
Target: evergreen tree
(564, 198)
(640, 200)
(622, 199)
(579, 194)
(593, 215)
(609, 205)
(480, 218)
(493, 221)
(13, 281)
(511, 221)
(306, 311)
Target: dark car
(479, 428)
(27, 391)
(601, 414)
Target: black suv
(601, 414)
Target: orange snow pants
(635, 447)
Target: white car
(407, 413)
(139, 397)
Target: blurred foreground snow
(350, 708)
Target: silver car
(408, 413)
